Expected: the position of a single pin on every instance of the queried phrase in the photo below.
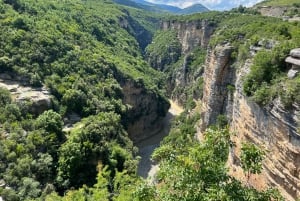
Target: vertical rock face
(191, 34)
(217, 76)
(147, 110)
(273, 128)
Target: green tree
(75, 100)
(251, 158)
(99, 139)
(5, 97)
(50, 121)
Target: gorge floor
(147, 168)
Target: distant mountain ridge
(197, 8)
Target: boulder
(292, 73)
(40, 98)
(295, 62)
(268, 44)
(295, 53)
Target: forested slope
(83, 52)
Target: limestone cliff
(185, 77)
(218, 75)
(191, 34)
(273, 127)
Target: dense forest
(84, 52)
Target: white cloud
(212, 4)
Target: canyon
(90, 89)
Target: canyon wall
(273, 127)
(191, 34)
(144, 118)
(218, 76)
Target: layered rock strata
(273, 128)
(218, 76)
(191, 34)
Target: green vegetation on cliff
(270, 40)
(164, 50)
(190, 170)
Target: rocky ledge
(294, 63)
(40, 97)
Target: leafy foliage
(83, 51)
(5, 97)
(165, 49)
(193, 171)
(251, 158)
(100, 138)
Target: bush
(50, 121)
(5, 97)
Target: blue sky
(211, 4)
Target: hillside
(279, 3)
(288, 10)
(87, 57)
(196, 8)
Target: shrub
(5, 97)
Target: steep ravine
(146, 168)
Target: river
(147, 168)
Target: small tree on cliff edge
(251, 158)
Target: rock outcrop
(218, 75)
(39, 97)
(294, 61)
(191, 34)
(273, 127)
(283, 12)
(275, 130)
